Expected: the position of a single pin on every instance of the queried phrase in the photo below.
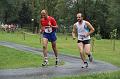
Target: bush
(98, 36)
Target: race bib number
(81, 37)
(48, 30)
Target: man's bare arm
(90, 27)
(74, 32)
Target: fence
(27, 34)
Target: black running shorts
(84, 41)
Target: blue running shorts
(50, 36)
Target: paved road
(72, 66)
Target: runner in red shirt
(49, 21)
(48, 29)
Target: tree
(6, 10)
(25, 14)
(114, 14)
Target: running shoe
(85, 65)
(45, 63)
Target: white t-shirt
(82, 29)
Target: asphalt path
(71, 67)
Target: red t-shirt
(44, 22)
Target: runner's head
(79, 17)
(44, 13)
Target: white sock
(46, 59)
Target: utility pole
(77, 6)
(44, 4)
(84, 9)
(32, 7)
(33, 17)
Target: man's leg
(55, 51)
(45, 42)
(81, 48)
(54, 48)
(87, 51)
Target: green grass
(103, 49)
(107, 75)
(11, 58)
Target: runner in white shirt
(83, 29)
